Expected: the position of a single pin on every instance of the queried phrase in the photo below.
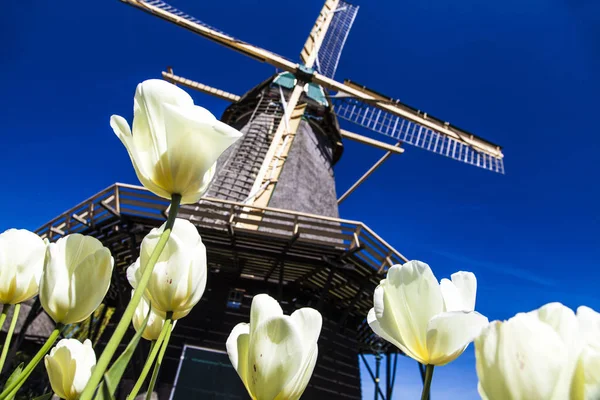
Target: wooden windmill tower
(270, 217)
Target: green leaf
(14, 376)
(113, 376)
(46, 396)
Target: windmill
(270, 217)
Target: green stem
(163, 348)
(5, 308)
(149, 361)
(32, 364)
(123, 325)
(427, 383)
(9, 334)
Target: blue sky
(522, 74)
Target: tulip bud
(155, 321)
(175, 144)
(531, 356)
(179, 277)
(69, 366)
(429, 323)
(76, 277)
(275, 354)
(21, 265)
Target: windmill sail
(353, 102)
(462, 146)
(330, 51)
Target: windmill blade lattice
(330, 51)
(383, 122)
(175, 11)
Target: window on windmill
(235, 297)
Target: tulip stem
(163, 348)
(119, 333)
(5, 308)
(154, 349)
(9, 334)
(13, 387)
(427, 382)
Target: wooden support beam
(280, 260)
(372, 142)
(170, 77)
(387, 260)
(317, 34)
(109, 208)
(280, 283)
(366, 175)
(57, 231)
(80, 220)
(308, 275)
(351, 306)
(278, 150)
(325, 289)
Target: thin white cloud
(499, 268)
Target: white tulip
(77, 273)
(179, 277)
(589, 326)
(21, 265)
(531, 356)
(175, 144)
(155, 321)
(429, 322)
(69, 366)
(275, 354)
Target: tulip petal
(448, 335)
(237, 350)
(55, 284)
(376, 327)
(77, 248)
(274, 356)
(84, 364)
(193, 147)
(459, 294)
(263, 308)
(520, 359)
(297, 386)
(589, 324)
(590, 360)
(309, 322)
(563, 320)
(232, 345)
(55, 375)
(149, 134)
(90, 283)
(196, 284)
(411, 297)
(142, 163)
(132, 273)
